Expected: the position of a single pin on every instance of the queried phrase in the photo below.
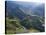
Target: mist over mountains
(24, 17)
(20, 9)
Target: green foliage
(15, 25)
(33, 23)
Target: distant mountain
(32, 8)
(20, 9)
(13, 10)
(39, 10)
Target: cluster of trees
(34, 22)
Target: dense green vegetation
(15, 25)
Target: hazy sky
(40, 1)
(37, 2)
